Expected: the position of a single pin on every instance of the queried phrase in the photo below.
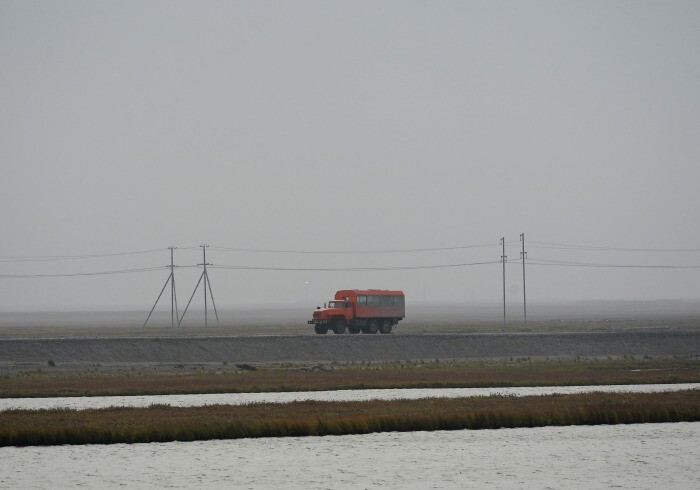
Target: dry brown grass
(164, 423)
(461, 374)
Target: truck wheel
(385, 327)
(372, 326)
(338, 327)
(353, 329)
(320, 329)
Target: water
(620, 456)
(341, 395)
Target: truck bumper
(319, 321)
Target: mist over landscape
(348, 127)
(503, 194)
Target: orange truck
(360, 310)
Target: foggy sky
(337, 126)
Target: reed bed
(162, 423)
(226, 378)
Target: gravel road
(305, 348)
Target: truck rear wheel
(372, 326)
(320, 329)
(385, 327)
(338, 327)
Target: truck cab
(336, 316)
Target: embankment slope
(344, 348)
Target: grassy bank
(224, 378)
(163, 423)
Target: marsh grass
(225, 378)
(162, 423)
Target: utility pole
(207, 284)
(523, 254)
(204, 264)
(503, 260)
(173, 295)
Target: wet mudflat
(200, 400)
(620, 456)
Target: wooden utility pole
(207, 284)
(523, 254)
(503, 260)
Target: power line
(562, 263)
(352, 269)
(387, 251)
(99, 273)
(45, 258)
(245, 267)
(531, 244)
(564, 246)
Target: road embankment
(345, 348)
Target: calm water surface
(341, 395)
(622, 456)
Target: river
(621, 456)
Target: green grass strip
(162, 423)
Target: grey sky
(344, 126)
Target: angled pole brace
(190, 301)
(158, 299)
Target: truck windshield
(336, 304)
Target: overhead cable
(100, 273)
(564, 246)
(45, 258)
(562, 263)
(387, 251)
(351, 269)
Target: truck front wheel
(339, 327)
(320, 329)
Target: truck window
(399, 300)
(387, 300)
(373, 300)
(361, 300)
